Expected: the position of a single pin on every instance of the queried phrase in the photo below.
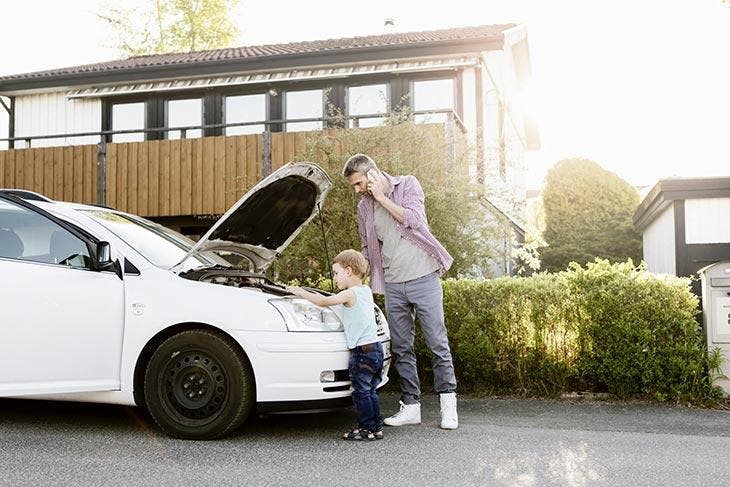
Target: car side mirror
(103, 254)
(104, 260)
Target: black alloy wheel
(198, 385)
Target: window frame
(86, 238)
(166, 114)
(267, 108)
(457, 87)
(388, 101)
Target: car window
(27, 235)
(160, 245)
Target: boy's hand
(294, 290)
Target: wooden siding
(202, 176)
(169, 178)
(61, 173)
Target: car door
(61, 321)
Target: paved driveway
(500, 442)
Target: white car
(103, 306)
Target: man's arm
(377, 187)
(362, 232)
(413, 212)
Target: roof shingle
(477, 33)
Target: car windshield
(160, 245)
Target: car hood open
(269, 216)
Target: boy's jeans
(365, 369)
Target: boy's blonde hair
(354, 260)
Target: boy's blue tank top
(359, 320)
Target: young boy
(366, 353)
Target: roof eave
(668, 190)
(203, 68)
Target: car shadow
(62, 416)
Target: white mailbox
(716, 310)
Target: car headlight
(301, 315)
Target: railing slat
(186, 161)
(196, 183)
(142, 178)
(208, 181)
(164, 181)
(175, 154)
(153, 156)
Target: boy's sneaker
(360, 434)
(408, 414)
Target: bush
(455, 214)
(605, 327)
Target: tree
(163, 26)
(455, 214)
(588, 214)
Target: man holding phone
(405, 261)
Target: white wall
(658, 240)
(469, 116)
(707, 220)
(53, 113)
(499, 83)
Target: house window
(367, 100)
(245, 108)
(184, 113)
(432, 95)
(128, 116)
(304, 104)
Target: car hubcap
(195, 385)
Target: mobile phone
(372, 176)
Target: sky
(641, 87)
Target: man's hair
(354, 260)
(358, 163)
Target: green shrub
(638, 332)
(605, 327)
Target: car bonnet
(269, 216)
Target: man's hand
(377, 184)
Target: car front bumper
(291, 367)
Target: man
(406, 261)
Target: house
(470, 78)
(685, 225)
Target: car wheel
(198, 386)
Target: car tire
(198, 386)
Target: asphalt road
(499, 442)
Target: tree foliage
(588, 214)
(456, 217)
(164, 26)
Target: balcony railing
(165, 177)
(452, 118)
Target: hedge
(612, 328)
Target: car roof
(25, 194)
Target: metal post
(266, 152)
(11, 123)
(101, 171)
(450, 139)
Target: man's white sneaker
(449, 417)
(408, 414)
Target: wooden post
(101, 171)
(266, 153)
